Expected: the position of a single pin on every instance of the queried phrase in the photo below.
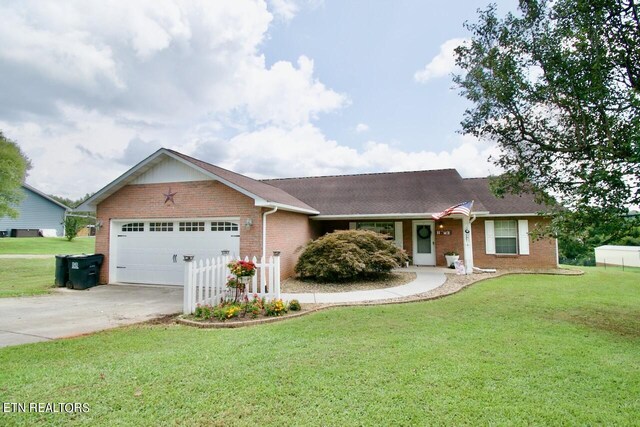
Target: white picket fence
(205, 281)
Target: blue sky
(370, 50)
(267, 88)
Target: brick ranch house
(171, 204)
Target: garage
(151, 251)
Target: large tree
(557, 86)
(13, 169)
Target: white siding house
(629, 256)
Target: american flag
(463, 208)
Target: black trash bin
(62, 270)
(84, 270)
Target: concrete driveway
(66, 313)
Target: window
(161, 226)
(223, 226)
(191, 226)
(133, 226)
(506, 233)
(385, 228)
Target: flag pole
(468, 241)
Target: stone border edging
(405, 300)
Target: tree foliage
(349, 255)
(72, 203)
(558, 88)
(13, 170)
(72, 226)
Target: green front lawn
(47, 245)
(25, 277)
(518, 350)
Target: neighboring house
(170, 205)
(628, 256)
(37, 211)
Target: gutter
(417, 215)
(264, 231)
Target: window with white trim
(133, 226)
(191, 226)
(223, 226)
(160, 226)
(506, 235)
(387, 229)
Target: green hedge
(349, 255)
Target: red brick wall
(192, 200)
(288, 232)
(450, 242)
(542, 253)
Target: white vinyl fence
(205, 281)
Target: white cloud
(284, 9)
(442, 64)
(72, 158)
(117, 78)
(90, 88)
(300, 97)
(467, 155)
(294, 152)
(64, 57)
(362, 127)
(154, 60)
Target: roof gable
(263, 194)
(44, 196)
(170, 170)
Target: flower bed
(246, 309)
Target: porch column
(468, 246)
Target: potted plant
(242, 272)
(451, 257)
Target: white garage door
(152, 251)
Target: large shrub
(349, 255)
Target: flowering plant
(234, 283)
(275, 307)
(242, 268)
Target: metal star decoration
(168, 196)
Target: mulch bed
(239, 322)
(293, 285)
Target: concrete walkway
(66, 312)
(428, 278)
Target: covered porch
(426, 240)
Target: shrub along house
(170, 205)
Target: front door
(424, 243)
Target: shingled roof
(419, 192)
(402, 193)
(509, 204)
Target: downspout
(264, 231)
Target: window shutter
(398, 240)
(489, 237)
(352, 226)
(523, 236)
